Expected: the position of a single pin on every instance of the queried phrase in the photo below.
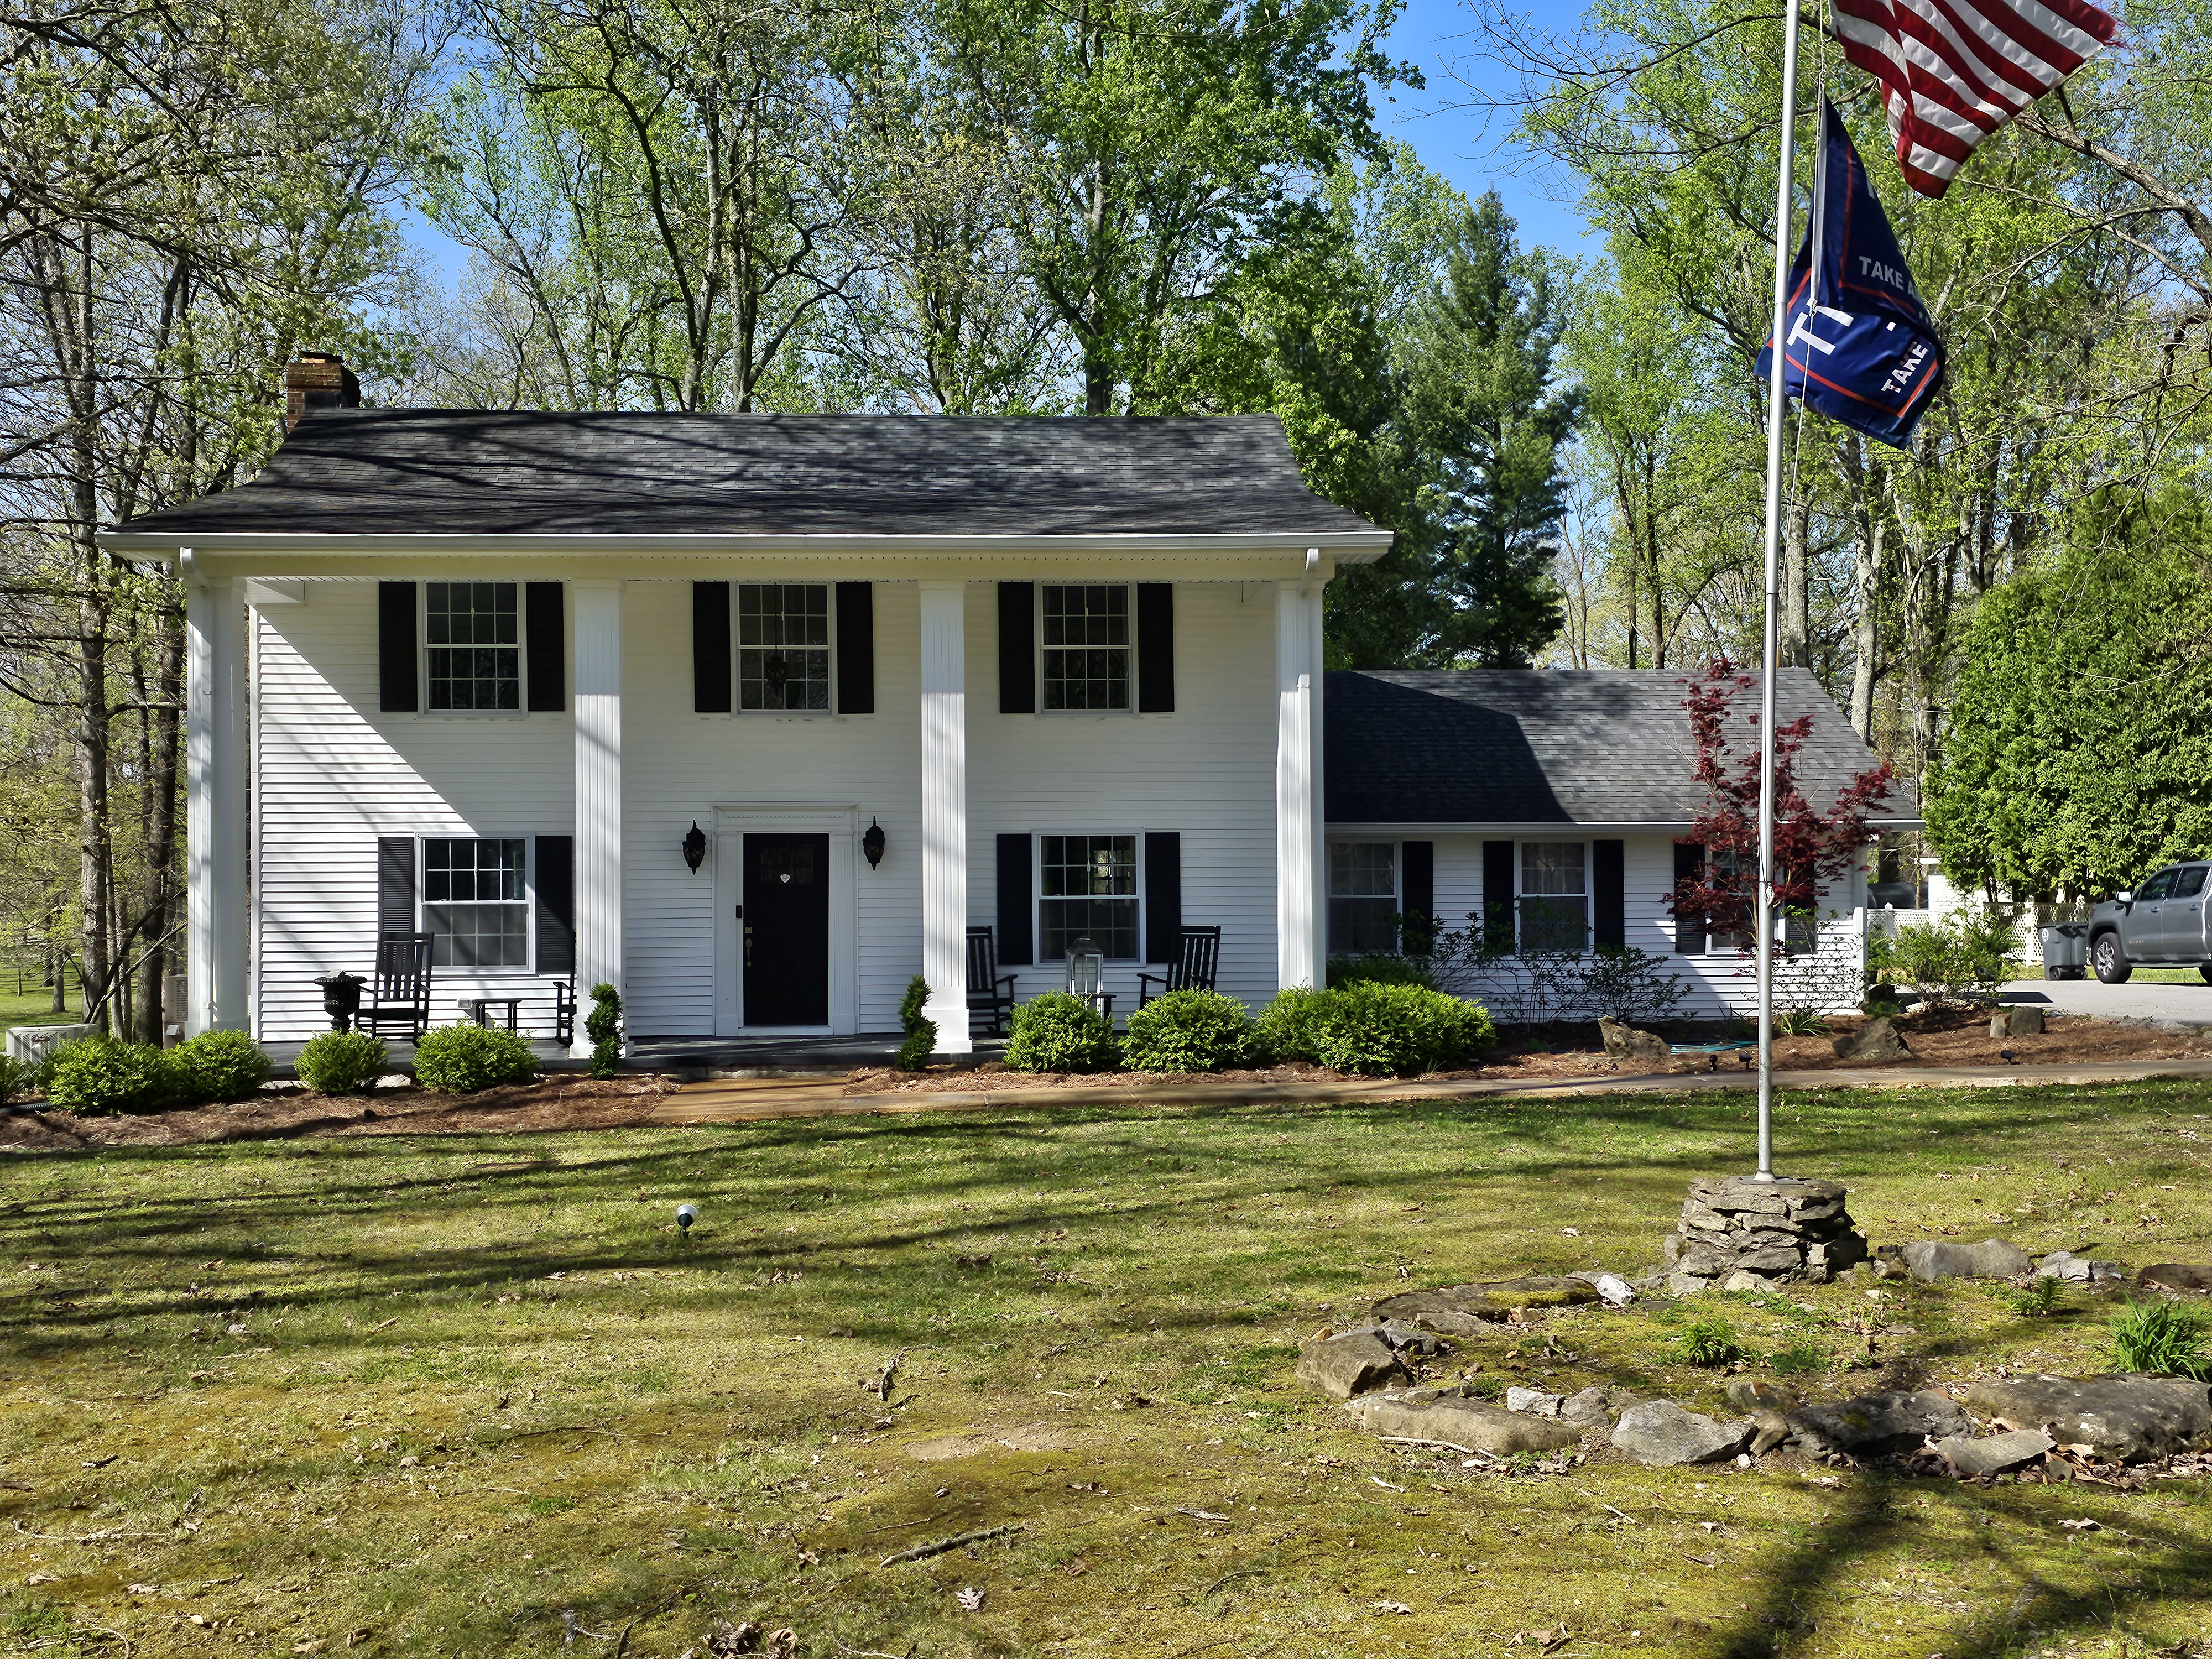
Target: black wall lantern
(694, 847)
(871, 843)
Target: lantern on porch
(871, 843)
(694, 847)
(1086, 964)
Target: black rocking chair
(401, 989)
(1197, 957)
(989, 991)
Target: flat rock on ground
(1874, 1423)
(1875, 1040)
(1625, 1042)
(1931, 1259)
(1463, 1308)
(2127, 1418)
(1993, 1454)
(2064, 1264)
(2177, 1276)
(1661, 1433)
(1479, 1426)
(1356, 1363)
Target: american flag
(1953, 71)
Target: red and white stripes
(1955, 70)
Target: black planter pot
(341, 999)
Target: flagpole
(1769, 640)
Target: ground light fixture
(685, 1215)
(694, 847)
(871, 843)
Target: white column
(215, 805)
(945, 810)
(598, 874)
(1301, 948)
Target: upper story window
(1555, 895)
(1363, 897)
(475, 905)
(1088, 885)
(474, 645)
(783, 646)
(1086, 648)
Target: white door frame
(731, 823)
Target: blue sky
(1470, 147)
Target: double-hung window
(1555, 895)
(473, 646)
(1363, 897)
(1088, 885)
(475, 903)
(783, 647)
(1086, 647)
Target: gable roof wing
(414, 472)
(1574, 748)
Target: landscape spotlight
(685, 1215)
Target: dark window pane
(1086, 647)
(783, 646)
(475, 903)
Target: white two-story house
(480, 675)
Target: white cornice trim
(1562, 831)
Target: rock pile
(1743, 1234)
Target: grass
(35, 1006)
(439, 1396)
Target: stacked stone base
(1738, 1233)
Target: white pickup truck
(2161, 925)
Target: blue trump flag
(1862, 349)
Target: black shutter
(856, 647)
(1609, 895)
(1689, 929)
(395, 883)
(1016, 940)
(1417, 896)
(1163, 896)
(1017, 648)
(395, 648)
(1497, 895)
(1156, 652)
(545, 636)
(710, 647)
(556, 904)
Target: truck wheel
(2105, 955)
(2205, 969)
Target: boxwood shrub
(1189, 1031)
(460, 1060)
(1380, 967)
(1289, 1028)
(1381, 1030)
(220, 1065)
(1057, 1032)
(341, 1062)
(96, 1075)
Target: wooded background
(1139, 207)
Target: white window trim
(1397, 883)
(737, 710)
(423, 647)
(1036, 625)
(1038, 898)
(529, 900)
(1589, 898)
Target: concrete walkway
(2188, 1004)
(741, 1100)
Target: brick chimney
(318, 379)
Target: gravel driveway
(2190, 1003)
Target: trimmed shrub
(604, 1026)
(96, 1075)
(1289, 1028)
(920, 1033)
(1057, 1032)
(1379, 968)
(460, 1060)
(1189, 1031)
(220, 1065)
(20, 1077)
(341, 1062)
(1380, 1030)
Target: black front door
(786, 930)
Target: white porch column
(215, 805)
(599, 873)
(1301, 915)
(945, 810)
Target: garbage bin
(2066, 950)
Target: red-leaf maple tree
(1811, 849)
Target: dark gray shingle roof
(1553, 746)
(453, 472)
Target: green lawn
(34, 1007)
(421, 1396)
